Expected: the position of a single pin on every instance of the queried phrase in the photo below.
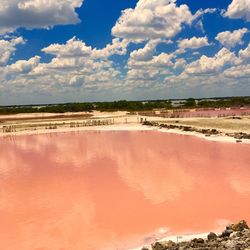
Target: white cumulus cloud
(193, 43)
(145, 53)
(212, 65)
(231, 38)
(7, 48)
(22, 66)
(152, 19)
(74, 65)
(30, 14)
(77, 48)
(73, 47)
(236, 72)
(244, 54)
(239, 9)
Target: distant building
(177, 103)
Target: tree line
(131, 106)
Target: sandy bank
(42, 116)
(224, 124)
(123, 127)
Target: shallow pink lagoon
(114, 190)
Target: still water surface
(112, 190)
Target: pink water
(112, 190)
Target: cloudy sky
(87, 50)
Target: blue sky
(90, 50)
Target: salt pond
(115, 190)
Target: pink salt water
(115, 190)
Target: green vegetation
(190, 103)
(81, 107)
(59, 108)
(132, 106)
(217, 102)
(229, 102)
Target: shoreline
(177, 238)
(234, 236)
(124, 127)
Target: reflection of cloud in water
(235, 160)
(240, 180)
(48, 213)
(10, 163)
(149, 172)
(163, 170)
